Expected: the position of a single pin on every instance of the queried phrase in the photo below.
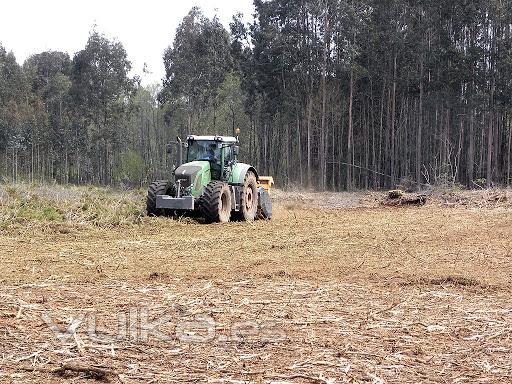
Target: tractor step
(175, 203)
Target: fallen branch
(313, 379)
(97, 373)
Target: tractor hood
(193, 176)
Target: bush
(131, 170)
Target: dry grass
(364, 294)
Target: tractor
(211, 183)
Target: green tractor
(211, 183)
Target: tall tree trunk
(381, 130)
(420, 128)
(350, 133)
(299, 148)
(309, 143)
(490, 127)
(509, 150)
(374, 149)
(393, 119)
(322, 149)
(366, 129)
(490, 140)
(471, 148)
(288, 148)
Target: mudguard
(239, 172)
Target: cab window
(228, 154)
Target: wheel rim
(249, 199)
(224, 208)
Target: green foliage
(65, 119)
(100, 80)
(30, 208)
(231, 110)
(28, 204)
(131, 169)
(196, 66)
(41, 70)
(482, 182)
(13, 94)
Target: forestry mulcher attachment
(211, 183)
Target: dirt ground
(345, 293)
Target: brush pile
(400, 198)
(491, 198)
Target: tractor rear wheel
(156, 189)
(264, 205)
(215, 203)
(249, 198)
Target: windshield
(204, 151)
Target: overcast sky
(145, 28)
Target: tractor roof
(222, 139)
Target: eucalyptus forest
(328, 94)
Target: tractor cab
(220, 151)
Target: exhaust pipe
(179, 153)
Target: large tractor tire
(215, 203)
(249, 198)
(155, 189)
(264, 205)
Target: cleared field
(317, 295)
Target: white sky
(145, 28)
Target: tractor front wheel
(155, 189)
(215, 203)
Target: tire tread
(209, 201)
(156, 188)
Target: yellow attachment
(266, 182)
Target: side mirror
(236, 150)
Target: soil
(344, 291)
